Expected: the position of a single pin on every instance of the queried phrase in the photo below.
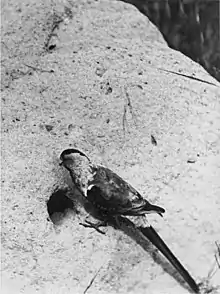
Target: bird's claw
(96, 226)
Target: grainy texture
(98, 53)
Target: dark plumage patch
(114, 196)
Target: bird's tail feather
(152, 235)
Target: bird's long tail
(152, 235)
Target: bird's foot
(95, 226)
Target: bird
(114, 198)
(106, 190)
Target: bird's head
(73, 159)
(79, 166)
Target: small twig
(205, 284)
(55, 25)
(187, 76)
(130, 107)
(153, 140)
(39, 69)
(218, 248)
(217, 255)
(126, 106)
(124, 119)
(92, 280)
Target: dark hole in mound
(58, 205)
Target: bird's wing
(113, 194)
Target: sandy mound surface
(87, 74)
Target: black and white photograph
(110, 147)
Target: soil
(90, 74)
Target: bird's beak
(61, 163)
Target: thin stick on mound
(217, 255)
(127, 106)
(124, 119)
(188, 76)
(130, 107)
(39, 69)
(93, 279)
(205, 285)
